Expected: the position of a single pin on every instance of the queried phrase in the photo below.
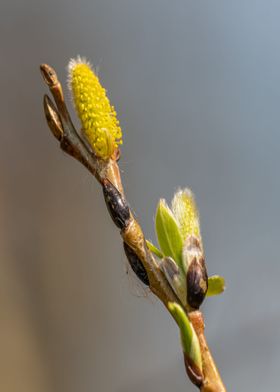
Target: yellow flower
(98, 117)
(185, 211)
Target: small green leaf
(189, 338)
(176, 278)
(216, 285)
(168, 233)
(154, 249)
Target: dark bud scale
(197, 282)
(116, 204)
(136, 264)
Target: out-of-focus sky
(196, 85)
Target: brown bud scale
(116, 204)
(136, 264)
(53, 118)
(193, 371)
(197, 282)
(48, 74)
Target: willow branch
(107, 172)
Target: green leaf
(216, 285)
(154, 249)
(168, 233)
(176, 278)
(189, 338)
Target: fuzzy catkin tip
(186, 213)
(98, 117)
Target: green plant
(176, 273)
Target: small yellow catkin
(186, 213)
(98, 117)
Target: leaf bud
(116, 205)
(136, 264)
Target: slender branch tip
(49, 75)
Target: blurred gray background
(196, 85)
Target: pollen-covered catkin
(98, 117)
(185, 211)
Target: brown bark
(212, 381)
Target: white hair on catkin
(72, 64)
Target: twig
(108, 175)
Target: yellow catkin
(185, 211)
(98, 117)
